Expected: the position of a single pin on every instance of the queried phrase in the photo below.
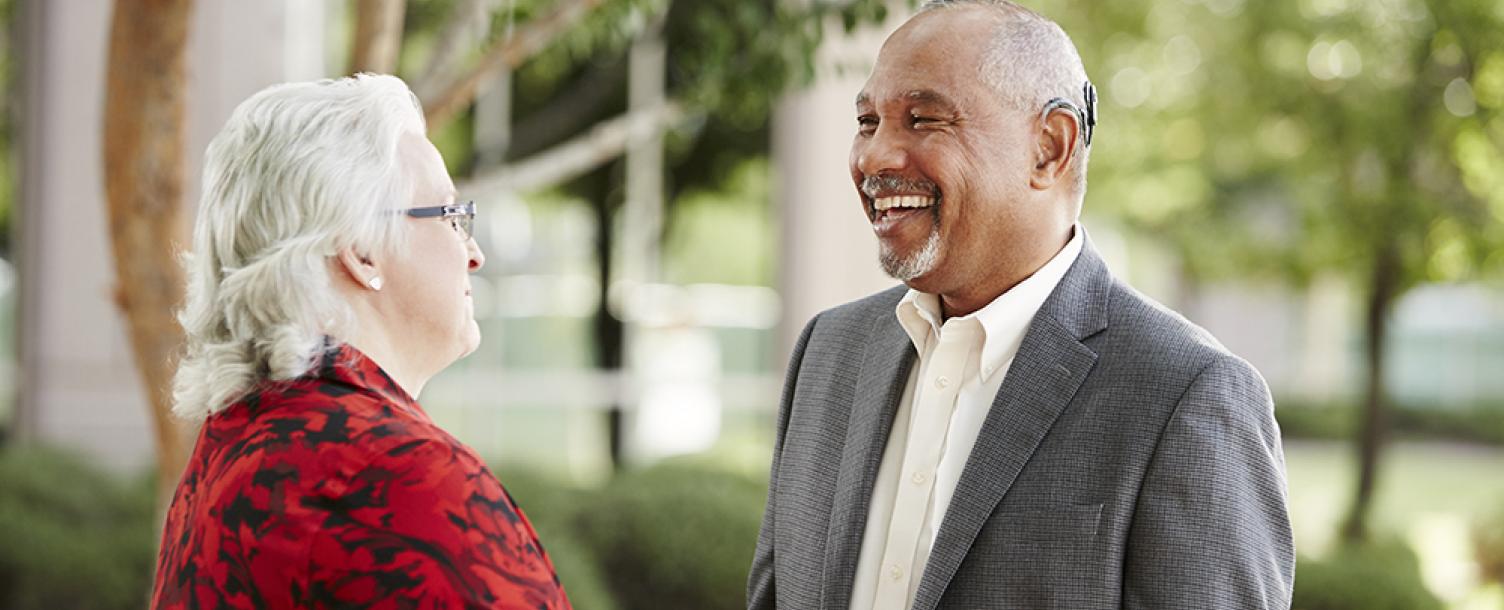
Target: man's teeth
(907, 201)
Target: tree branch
(570, 111)
(508, 52)
(378, 36)
(468, 23)
(606, 141)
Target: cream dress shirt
(962, 363)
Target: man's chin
(911, 267)
(928, 283)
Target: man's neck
(966, 300)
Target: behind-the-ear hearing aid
(1085, 117)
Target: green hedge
(553, 509)
(71, 536)
(1378, 576)
(1301, 420)
(678, 535)
(1480, 423)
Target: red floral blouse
(336, 490)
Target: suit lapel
(885, 368)
(1050, 366)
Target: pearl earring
(375, 283)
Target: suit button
(941, 382)
(919, 478)
(895, 572)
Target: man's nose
(883, 152)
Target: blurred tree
(7, 106)
(727, 61)
(504, 52)
(731, 58)
(378, 35)
(143, 174)
(1309, 137)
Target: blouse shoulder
(427, 519)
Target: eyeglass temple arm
(467, 207)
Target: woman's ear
(359, 268)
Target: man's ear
(1055, 149)
(359, 268)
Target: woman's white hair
(299, 172)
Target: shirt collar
(1003, 321)
(341, 363)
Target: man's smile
(891, 214)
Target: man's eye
(866, 122)
(923, 120)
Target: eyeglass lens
(463, 223)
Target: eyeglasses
(1086, 118)
(461, 215)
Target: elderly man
(1015, 428)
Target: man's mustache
(872, 186)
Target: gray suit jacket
(1128, 461)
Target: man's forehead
(944, 33)
(920, 95)
(930, 57)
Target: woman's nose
(477, 258)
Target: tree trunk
(143, 172)
(609, 331)
(378, 36)
(1374, 425)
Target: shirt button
(941, 382)
(895, 572)
(919, 478)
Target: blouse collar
(339, 362)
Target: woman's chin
(471, 340)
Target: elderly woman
(329, 282)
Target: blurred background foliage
(1377, 134)
(1375, 576)
(677, 534)
(1286, 141)
(74, 536)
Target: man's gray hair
(1029, 62)
(299, 172)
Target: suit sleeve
(426, 524)
(761, 588)
(1211, 528)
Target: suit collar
(885, 367)
(1079, 303)
(1050, 367)
(1003, 321)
